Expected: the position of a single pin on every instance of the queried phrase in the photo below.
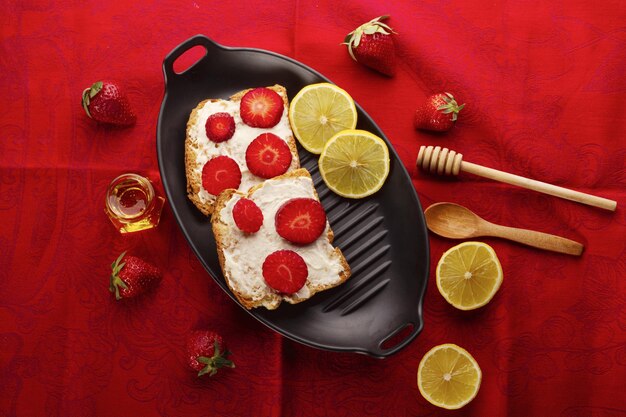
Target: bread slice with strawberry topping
(219, 127)
(265, 267)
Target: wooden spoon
(457, 222)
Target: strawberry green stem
(451, 106)
(89, 93)
(115, 281)
(217, 361)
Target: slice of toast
(241, 255)
(199, 149)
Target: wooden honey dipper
(443, 161)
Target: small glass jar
(132, 204)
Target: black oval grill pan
(383, 237)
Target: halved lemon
(448, 376)
(354, 163)
(319, 111)
(469, 275)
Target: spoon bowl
(453, 221)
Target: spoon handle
(538, 239)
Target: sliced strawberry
(285, 271)
(220, 173)
(247, 215)
(268, 156)
(300, 220)
(261, 107)
(220, 127)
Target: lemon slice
(469, 275)
(319, 111)
(448, 376)
(354, 163)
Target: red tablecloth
(545, 88)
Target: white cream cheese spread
(244, 254)
(236, 146)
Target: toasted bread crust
(193, 170)
(220, 231)
(194, 181)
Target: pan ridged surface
(358, 227)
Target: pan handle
(168, 62)
(414, 326)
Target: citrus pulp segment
(469, 275)
(448, 376)
(354, 163)
(319, 111)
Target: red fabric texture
(544, 86)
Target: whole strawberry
(106, 102)
(206, 352)
(438, 113)
(132, 276)
(372, 45)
